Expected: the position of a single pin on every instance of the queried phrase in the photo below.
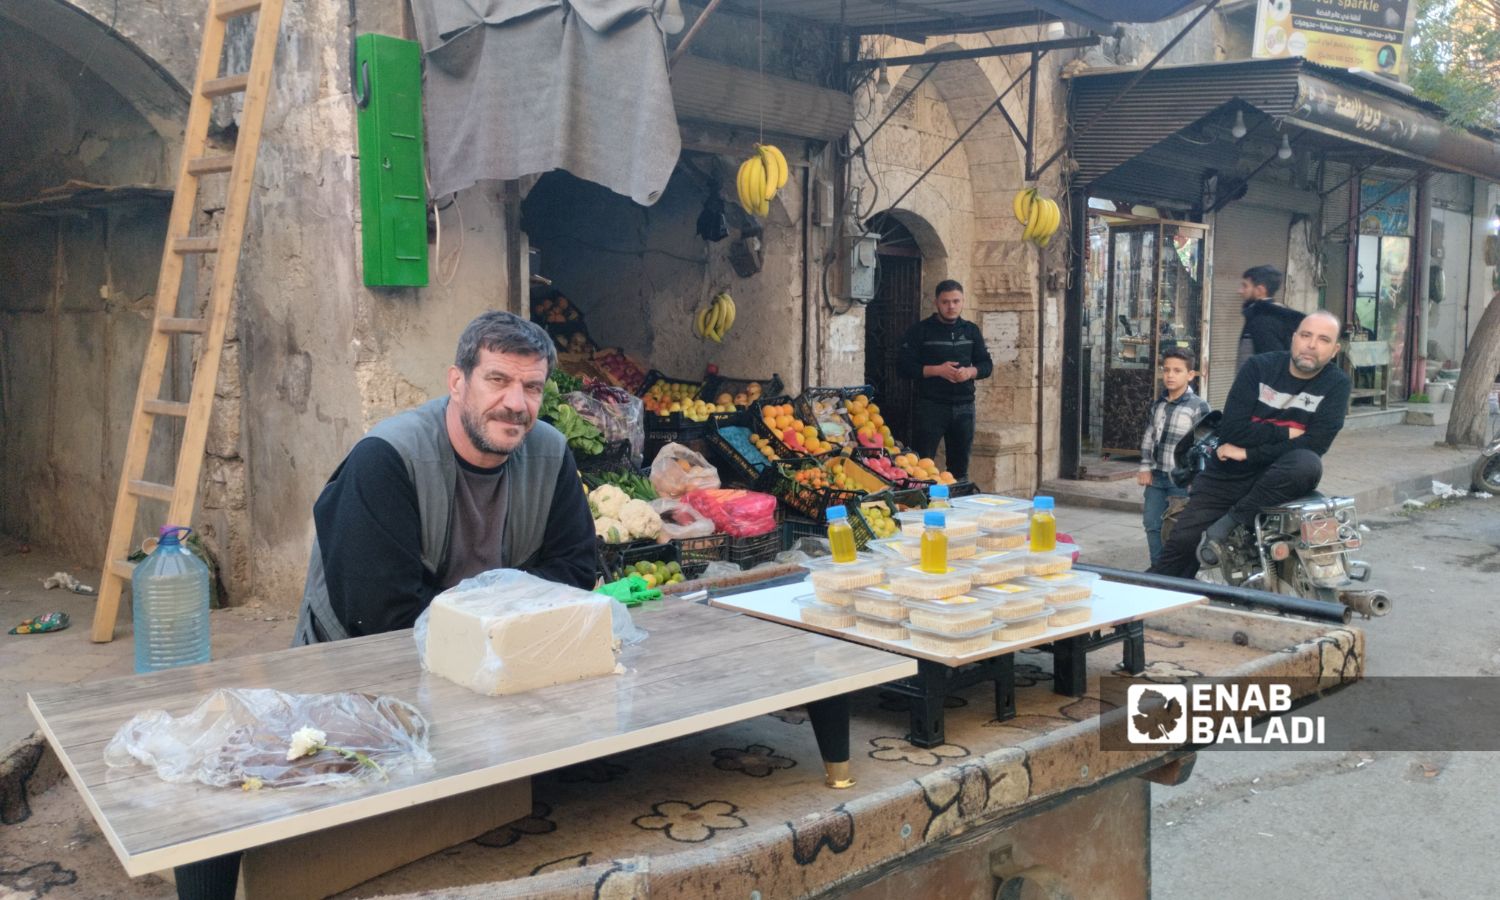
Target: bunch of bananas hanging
(1039, 214)
(714, 318)
(761, 176)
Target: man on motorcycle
(1282, 414)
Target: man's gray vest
(420, 436)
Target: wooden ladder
(182, 493)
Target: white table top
(733, 667)
(1114, 603)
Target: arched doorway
(896, 307)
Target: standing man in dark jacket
(945, 354)
(1281, 416)
(1268, 325)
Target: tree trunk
(1469, 423)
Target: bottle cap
(1041, 503)
(837, 512)
(934, 517)
(939, 492)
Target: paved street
(1378, 825)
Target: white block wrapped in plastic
(504, 632)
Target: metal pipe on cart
(1260, 601)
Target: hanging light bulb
(883, 83)
(1286, 149)
(1239, 130)
(672, 19)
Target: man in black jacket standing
(1268, 325)
(1281, 416)
(945, 354)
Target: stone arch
(145, 82)
(929, 243)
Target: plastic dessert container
(958, 523)
(1053, 562)
(878, 601)
(911, 581)
(881, 628)
(1004, 538)
(1063, 587)
(1012, 599)
(910, 548)
(823, 615)
(1021, 628)
(962, 613)
(952, 643)
(995, 566)
(1075, 613)
(827, 575)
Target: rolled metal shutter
(1244, 235)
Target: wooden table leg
(209, 879)
(830, 722)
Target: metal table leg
(1005, 686)
(830, 722)
(1135, 646)
(1070, 666)
(927, 706)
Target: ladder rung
(195, 245)
(165, 408)
(182, 326)
(123, 568)
(228, 9)
(152, 490)
(229, 84)
(208, 165)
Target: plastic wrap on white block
(504, 632)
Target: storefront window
(1143, 294)
(1379, 324)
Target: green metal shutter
(392, 187)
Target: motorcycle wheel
(1487, 474)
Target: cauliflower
(611, 530)
(606, 501)
(640, 519)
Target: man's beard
(474, 428)
(1311, 368)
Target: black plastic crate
(716, 384)
(807, 501)
(758, 425)
(731, 463)
(696, 553)
(752, 551)
(910, 498)
(615, 560)
(616, 457)
(864, 533)
(962, 489)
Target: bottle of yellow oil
(939, 497)
(1043, 525)
(840, 535)
(934, 543)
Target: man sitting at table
(457, 486)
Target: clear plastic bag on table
(615, 412)
(720, 569)
(736, 512)
(680, 521)
(678, 470)
(241, 737)
(530, 633)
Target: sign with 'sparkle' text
(1349, 34)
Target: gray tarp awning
(919, 18)
(522, 87)
(1129, 146)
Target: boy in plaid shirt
(1173, 415)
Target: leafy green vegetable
(637, 487)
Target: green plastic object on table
(632, 590)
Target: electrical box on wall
(392, 185)
(862, 266)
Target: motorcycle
(1486, 475)
(1300, 548)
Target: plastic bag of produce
(255, 738)
(680, 521)
(677, 470)
(735, 512)
(506, 631)
(614, 411)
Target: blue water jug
(169, 593)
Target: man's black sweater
(932, 342)
(1269, 326)
(1267, 399)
